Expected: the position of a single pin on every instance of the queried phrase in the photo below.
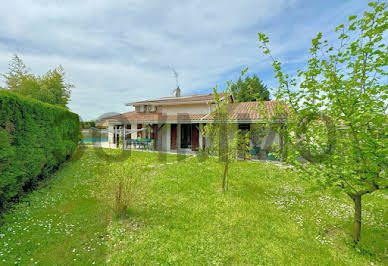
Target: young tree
(337, 121)
(226, 140)
(17, 70)
(251, 89)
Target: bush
(35, 138)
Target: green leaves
(263, 38)
(244, 71)
(352, 18)
(372, 4)
(35, 138)
(250, 89)
(316, 41)
(50, 88)
(339, 27)
(339, 106)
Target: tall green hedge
(35, 138)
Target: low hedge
(35, 138)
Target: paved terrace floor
(185, 152)
(106, 145)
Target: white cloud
(121, 51)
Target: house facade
(175, 124)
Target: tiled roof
(254, 111)
(180, 99)
(101, 123)
(251, 110)
(139, 117)
(243, 111)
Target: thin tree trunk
(224, 177)
(227, 177)
(357, 218)
(118, 196)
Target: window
(244, 126)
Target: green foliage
(87, 124)
(118, 187)
(243, 143)
(276, 123)
(338, 121)
(50, 88)
(226, 141)
(222, 132)
(250, 89)
(17, 70)
(34, 139)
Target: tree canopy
(249, 90)
(50, 87)
(336, 132)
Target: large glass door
(186, 136)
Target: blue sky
(122, 51)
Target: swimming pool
(93, 140)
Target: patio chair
(147, 143)
(138, 143)
(143, 144)
(131, 142)
(255, 150)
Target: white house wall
(110, 133)
(167, 137)
(186, 109)
(134, 133)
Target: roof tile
(247, 111)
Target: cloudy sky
(117, 51)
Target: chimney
(177, 92)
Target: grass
(177, 214)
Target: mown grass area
(177, 214)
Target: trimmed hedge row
(35, 138)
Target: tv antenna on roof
(177, 91)
(176, 76)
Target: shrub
(35, 138)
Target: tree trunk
(224, 177)
(357, 218)
(227, 177)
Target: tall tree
(338, 121)
(54, 89)
(50, 88)
(250, 89)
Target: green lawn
(178, 215)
